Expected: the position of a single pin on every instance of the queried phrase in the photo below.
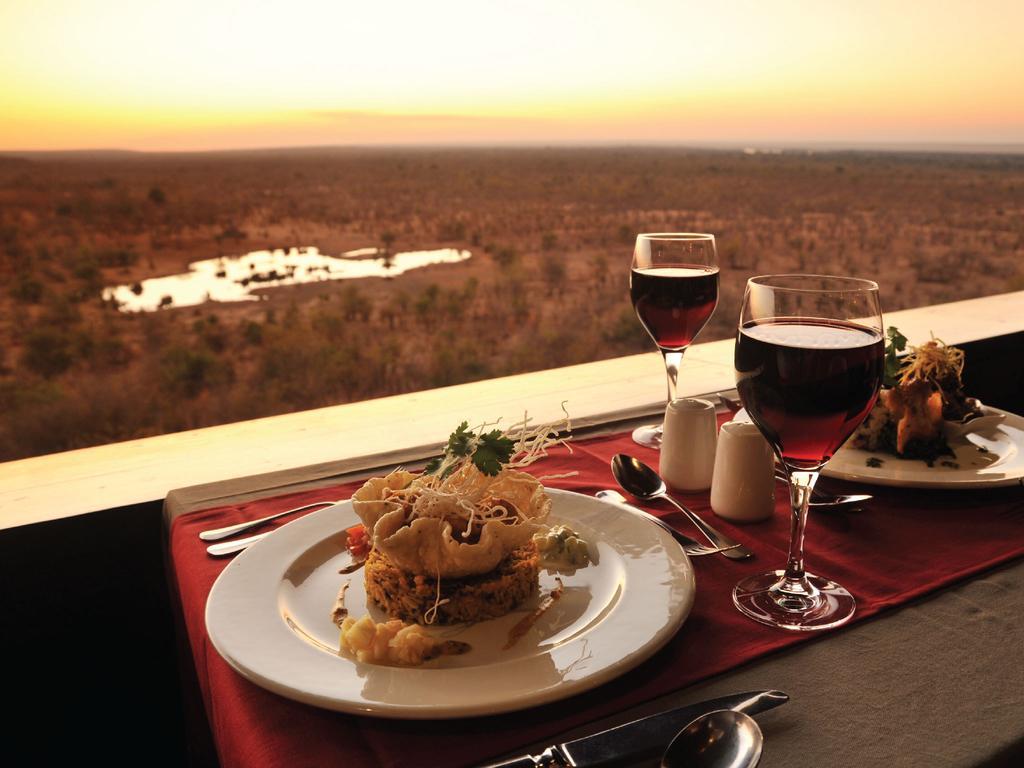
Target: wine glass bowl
(673, 285)
(809, 364)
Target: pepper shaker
(688, 443)
(743, 485)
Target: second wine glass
(673, 284)
(809, 359)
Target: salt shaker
(743, 486)
(688, 444)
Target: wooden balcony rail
(373, 432)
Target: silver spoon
(690, 547)
(724, 738)
(637, 478)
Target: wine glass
(673, 284)
(809, 360)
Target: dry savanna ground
(551, 234)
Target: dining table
(930, 671)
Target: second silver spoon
(724, 738)
(637, 478)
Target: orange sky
(211, 74)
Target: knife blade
(640, 739)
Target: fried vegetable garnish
(462, 518)
(924, 390)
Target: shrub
(117, 257)
(47, 351)
(506, 257)
(252, 332)
(426, 303)
(451, 230)
(554, 272)
(355, 305)
(26, 289)
(188, 372)
(210, 332)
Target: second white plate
(992, 458)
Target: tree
(47, 351)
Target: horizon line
(751, 147)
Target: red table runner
(907, 543)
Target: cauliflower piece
(393, 642)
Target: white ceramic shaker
(743, 486)
(688, 444)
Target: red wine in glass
(809, 360)
(674, 303)
(808, 383)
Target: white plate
(1001, 463)
(268, 615)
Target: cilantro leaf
(433, 465)
(897, 342)
(493, 450)
(896, 339)
(458, 442)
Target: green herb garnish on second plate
(896, 342)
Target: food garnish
(461, 517)
(896, 342)
(923, 390)
(357, 541)
(562, 546)
(941, 367)
(487, 450)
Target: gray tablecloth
(939, 682)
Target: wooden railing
(368, 433)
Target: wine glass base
(822, 605)
(649, 436)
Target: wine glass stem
(801, 483)
(672, 360)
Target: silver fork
(692, 547)
(222, 533)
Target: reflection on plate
(989, 457)
(268, 616)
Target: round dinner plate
(990, 458)
(268, 615)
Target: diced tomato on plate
(357, 541)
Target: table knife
(641, 739)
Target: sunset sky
(212, 74)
